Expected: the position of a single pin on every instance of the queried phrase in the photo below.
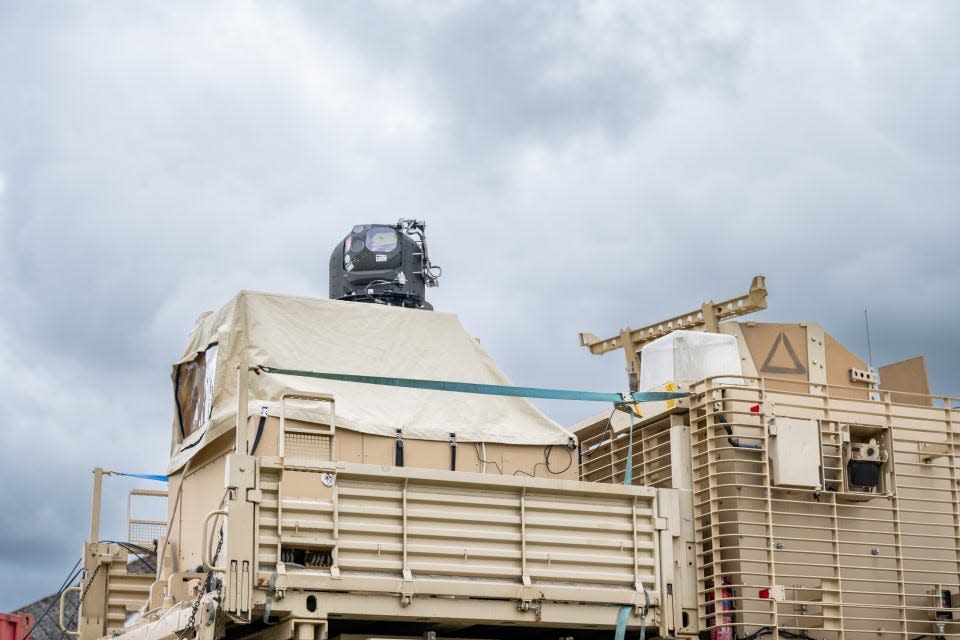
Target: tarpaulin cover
(356, 338)
(687, 356)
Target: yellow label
(670, 386)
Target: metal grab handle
(63, 597)
(205, 549)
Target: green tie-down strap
(485, 389)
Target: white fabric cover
(364, 339)
(687, 356)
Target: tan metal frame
(708, 317)
(133, 523)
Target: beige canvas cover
(364, 339)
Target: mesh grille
(145, 531)
(305, 445)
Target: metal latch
(530, 599)
(406, 594)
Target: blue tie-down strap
(145, 476)
(484, 389)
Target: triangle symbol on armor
(781, 366)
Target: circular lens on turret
(381, 239)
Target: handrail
(205, 548)
(63, 596)
(317, 397)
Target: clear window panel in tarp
(195, 390)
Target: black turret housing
(385, 264)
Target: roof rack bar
(708, 317)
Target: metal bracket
(406, 594)
(862, 375)
(708, 315)
(530, 599)
(641, 602)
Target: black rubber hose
(734, 442)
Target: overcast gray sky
(581, 166)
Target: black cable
(593, 449)
(734, 442)
(136, 550)
(73, 575)
(133, 545)
(759, 633)
(476, 447)
(83, 592)
(546, 463)
(786, 633)
(546, 454)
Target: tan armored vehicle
(362, 471)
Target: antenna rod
(866, 321)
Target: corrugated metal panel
(851, 565)
(468, 528)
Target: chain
(219, 620)
(190, 629)
(216, 556)
(90, 580)
(83, 594)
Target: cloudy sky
(581, 166)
